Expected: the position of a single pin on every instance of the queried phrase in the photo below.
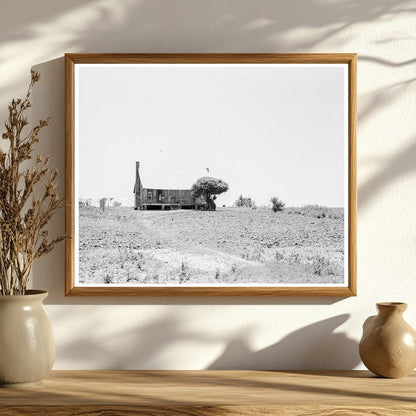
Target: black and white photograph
(216, 175)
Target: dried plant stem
(23, 217)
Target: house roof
(170, 178)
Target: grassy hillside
(227, 246)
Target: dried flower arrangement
(28, 199)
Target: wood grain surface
(202, 393)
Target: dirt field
(227, 246)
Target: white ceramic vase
(27, 347)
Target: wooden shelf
(203, 393)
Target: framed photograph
(211, 174)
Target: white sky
(275, 130)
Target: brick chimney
(137, 188)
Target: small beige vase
(27, 347)
(388, 344)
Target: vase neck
(390, 308)
(35, 296)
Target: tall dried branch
(24, 217)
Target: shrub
(217, 274)
(277, 204)
(184, 275)
(254, 254)
(208, 188)
(322, 266)
(279, 256)
(108, 277)
(245, 202)
(317, 211)
(85, 202)
(294, 258)
(103, 203)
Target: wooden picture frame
(77, 116)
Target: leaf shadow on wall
(403, 162)
(189, 26)
(394, 168)
(145, 27)
(314, 346)
(49, 271)
(144, 346)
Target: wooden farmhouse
(162, 188)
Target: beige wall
(196, 333)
